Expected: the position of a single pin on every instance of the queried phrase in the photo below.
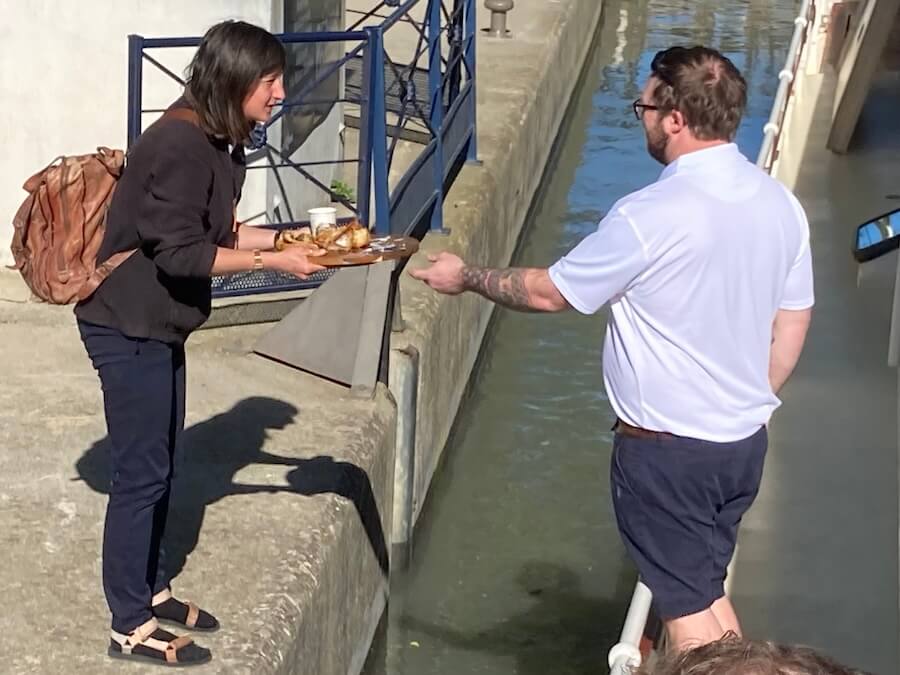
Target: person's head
(693, 99)
(235, 79)
(736, 656)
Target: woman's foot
(169, 609)
(151, 644)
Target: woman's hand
(308, 248)
(297, 260)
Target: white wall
(64, 80)
(291, 194)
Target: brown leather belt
(625, 429)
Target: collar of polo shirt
(698, 158)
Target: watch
(257, 260)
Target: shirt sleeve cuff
(205, 259)
(563, 287)
(797, 305)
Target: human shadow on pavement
(323, 474)
(212, 452)
(565, 631)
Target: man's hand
(445, 275)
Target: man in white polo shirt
(708, 277)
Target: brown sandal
(168, 609)
(151, 644)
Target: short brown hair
(736, 656)
(704, 86)
(231, 59)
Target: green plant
(340, 190)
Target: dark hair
(231, 59)
(736, 656)
(704, 86)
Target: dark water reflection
(518, 567)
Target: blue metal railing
(445, 85)
(447, 34)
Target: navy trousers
(143, 398)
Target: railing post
(378, 130)
(135, 82)
(456, 35)
(436, 96)
(469, 39)
(364, 175)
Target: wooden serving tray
(396, 248)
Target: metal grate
(265, 281)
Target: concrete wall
(289, 194)
(64, 76)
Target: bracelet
(257, 260)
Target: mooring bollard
(498, 9)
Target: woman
(175, 204)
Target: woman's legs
(158, 574)
(140, 398)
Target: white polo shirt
(694, 267)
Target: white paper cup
(325, 216)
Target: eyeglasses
(639, 108)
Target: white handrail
(772, 128)
(626, 653)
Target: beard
(657, 142)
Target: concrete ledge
(282, 506)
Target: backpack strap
(183, 114)
(104, 269)
(190, 115)
(108, 266)
(101, 272)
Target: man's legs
(742, 486)
(678, 504)
(708, 625)
(693, 630)
(724, 612)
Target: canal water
(517, 566)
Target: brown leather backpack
(59, 227)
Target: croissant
(344, 242)
(325, 236)
(360, 237)
(287, 238)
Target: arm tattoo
(505, 287)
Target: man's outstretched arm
(521, 289)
